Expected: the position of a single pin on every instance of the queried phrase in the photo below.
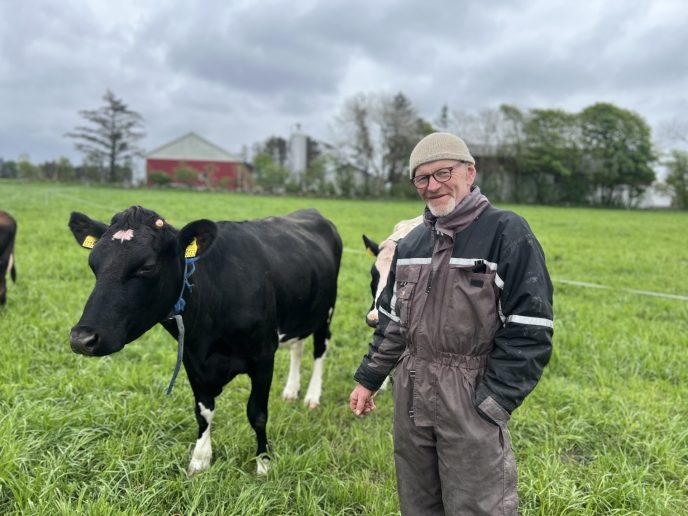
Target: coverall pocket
(406, 281)
(473, 304)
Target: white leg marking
(262, 465)
(203, 452)
(312, 398)
(291, 389)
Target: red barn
(194, 161)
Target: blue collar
(189, 269)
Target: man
(466, 321)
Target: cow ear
(372, 247)
(85, 230)
(197, 237)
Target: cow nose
(371, 318)
(83, 340)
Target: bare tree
(111, 137)
(375, 134)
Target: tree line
(602, 155)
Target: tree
(111, 137)
(678, 177)
(512, 146)
(58, 170)
(28, 170)
(271, 176)
(375, 136)
(551, 155)
(276, 148)
(618, 144)
(9, 169)
(186, 175)
(442, 121)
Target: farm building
(194, 161)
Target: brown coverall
(439, 317)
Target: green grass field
(605, 432)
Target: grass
(604, 433)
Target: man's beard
(443, 208)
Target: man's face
(442, 198)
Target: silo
(298, 152)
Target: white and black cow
(384, 252)
(256, 283)
(8, 232)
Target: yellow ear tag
(369, 253)
(191, 249)
(89, 242)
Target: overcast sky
(237, 72)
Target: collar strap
(189, 269)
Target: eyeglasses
(441, 176)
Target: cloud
(238, 72)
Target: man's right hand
(361, 401)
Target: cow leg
(203, 451)
(257, 409)
(291, 388)
(320, 338)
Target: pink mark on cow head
(123, 235)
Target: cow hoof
(311, 403)
(262, 465)
(290, 396)
(197, 466)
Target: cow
(384, 252)
(234, 290)
(8, 232)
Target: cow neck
(176, 314)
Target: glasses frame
(426, 177)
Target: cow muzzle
(372, 318)
(84, 340)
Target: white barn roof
(192, 147)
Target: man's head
(442, 170)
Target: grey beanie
(438, 146)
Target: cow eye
(146, 269)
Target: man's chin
(441, 209)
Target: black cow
(256, 283)
(8, 232)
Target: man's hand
(361, 401)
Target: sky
(238, 71)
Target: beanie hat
(438, 146)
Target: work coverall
(466, 321)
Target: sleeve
(387, 345)
(523, 344)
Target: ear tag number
(89, 242)
(191, 249)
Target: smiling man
(465, 321)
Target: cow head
(374, 250)
(138, 262)
(8, 230)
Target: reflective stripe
(392, 317)
(472, 262)
(534, 321)
(413, 261)
(499, 282)
(393, 301)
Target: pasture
(605, 431)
